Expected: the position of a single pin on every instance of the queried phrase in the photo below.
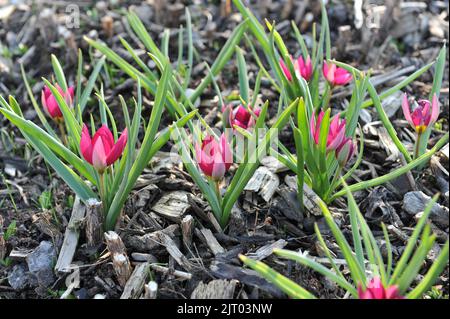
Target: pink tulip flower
(423, 116)
(335, 75)
(240, 116)
(345, 151)
(214, 157)
(302, 68)
(336, 132)
(102, 151)
(50, 104)
(375, 290)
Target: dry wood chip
(264, 182)
(172, 205)
(267, 250)
(71, 237)
(173, 251)
(135, 284)
(215, 289)
(310, 198)
(207, 236)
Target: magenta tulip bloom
(423, 116)
(375, 290)
(50, 104)
(336, 132)
(102, 151)
(302, 68)
(240, 116)
(345, 151)
(335, 75)
(214, 157)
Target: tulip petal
(107, 138)
(285, 69)
(434, 109)
(406, 109)
(117, 149)
(86, 145)
(226, 151)
(99, 155)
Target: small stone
(40, 263)
(18, 278)
(141, 257)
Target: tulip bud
(214, 157)
(376, 290)
(102, 151)
(239, 116)
(335, 75)
(50, 104)
(302, 68)
(345, 151)
(336, 131)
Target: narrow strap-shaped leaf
(435, 270)
(289, 287)
(395, 173)
(317, 267)
(59, 73)
(55, 145)
(353, 211)
(417, 260)
(70, 177)
(387, 123)
(242, 74)
(82, 101)
(402, 263)
(36, 107)
(221, 60)
(357, 273)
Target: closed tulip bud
(336, 132)
(375, 290)
(50, 104)
(240, 116)
(302, 68)
(335, 75)
(214, 157)
(345, 151)
(101, 151)
(423, 116)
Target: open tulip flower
(50, 104)
(240, 116)
(335, 75)
(101, 151)
(302, 68)
(336, 132)
(375, 290)
(423, 116)
(214, 157)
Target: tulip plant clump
(100, 156)
(106, 166)
(325, 140)
(372, 277)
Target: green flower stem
(334, 182)
(102, 191)
(217, 189)
(327, 97)
(62, 131)
(417, 146)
